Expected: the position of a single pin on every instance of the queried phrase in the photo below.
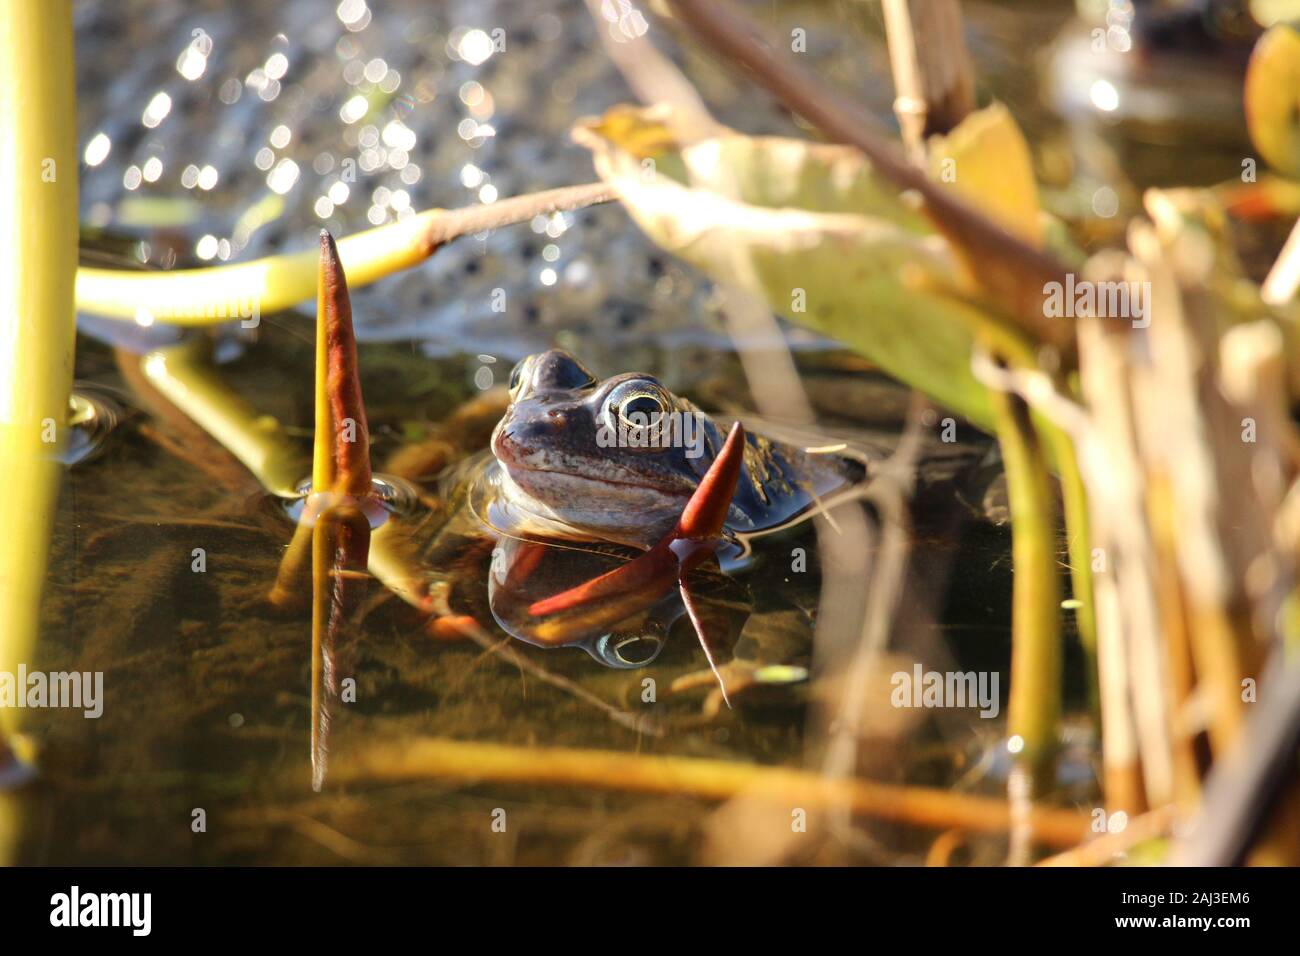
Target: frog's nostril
(530, 433)
(516, 440)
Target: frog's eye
(638, 411)
(517, 377)
(558, 371)
(628, 651)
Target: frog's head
(616, 459)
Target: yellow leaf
(1272, 97)
(987, 161)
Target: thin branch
(452, 224)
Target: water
(207, 685)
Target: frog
(617, 460)
(581, 475)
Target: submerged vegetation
(1125, 399)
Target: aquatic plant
(38, 231)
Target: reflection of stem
(178, 434)
(434, 758)
(340, 545)
(322, 651)
(217, 294)
(287, 591)
(185, 375)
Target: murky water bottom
(207, 685)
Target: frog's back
(783, 483)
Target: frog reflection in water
(585, 474)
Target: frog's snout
(515, 440)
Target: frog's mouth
(528, 469)
(557, 486)
(567, 505)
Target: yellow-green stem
(1035, 697)
(1074, 496)
(38, 216)
(38, 236)
(248, 290)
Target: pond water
(229, 129)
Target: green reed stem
(1078, 531)
(38, 219)
(1036, 663)
(38, 236)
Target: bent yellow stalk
(242, 291)
(472, 762)
(208, 296)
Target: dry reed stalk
(1114, 486)
(1188, 440)
(933, 82)
(433, 758)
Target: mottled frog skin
(616, 460)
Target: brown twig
(455, 223)
(342, 446)
(933, 84)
